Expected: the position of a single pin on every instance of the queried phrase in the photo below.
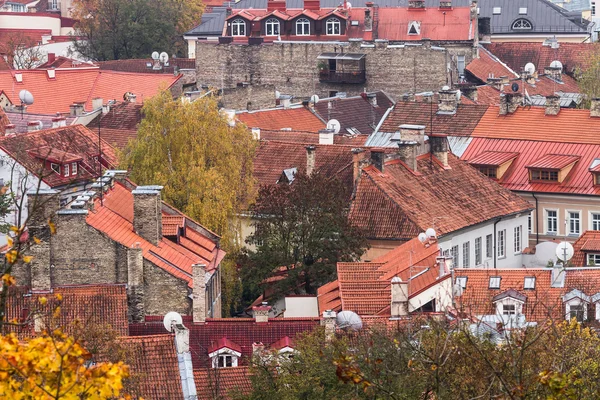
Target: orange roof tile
(298, 119)
(224, 343)
(223, 383)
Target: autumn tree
(117, 29)
(301, 231)
(589, 78)
(21, 50)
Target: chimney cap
(412, 127)
(310, 147)
(396, 279)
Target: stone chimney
(39, 267)
(310, 159)
(554, 73)
(328, 322)
(407, 153)
(76, 109)
(510, 102)
(326, 136)
(399, 306)
(594, 108)
(357, 157)
(415, 133)
(261, 313)
(448, 101)
(495, 83)
(135, 283)
(97, 103)
(147, 213)
(368, 17)
(256, 133)
(33, 126)
(470, 92)
(378, 159)
(552, 105)
(184, 358)
(439, 147)
(199, 293)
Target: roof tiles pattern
(588, 242)
(298, 119)
(311, 137)
(222, 383)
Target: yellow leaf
(58, 296)
(36, 240)
(52, 227)
(11, 256)
(43, 300)
(14, 229)
(8, 279)
(27, 259)
(9, 241)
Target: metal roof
(211, 24)
(458, 144)
(341, 56)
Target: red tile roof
(489, 66)
(542, 303)
(3, 121)
(588, 242)
(59, 144)
(65, 62)
(115, 219)
(284, 342)
(493, 158)
(398, 204)
(223, 343)
(554, 161)
(311, 137)
(516, 178)
(297, 118)
(119, 125)
(81, 85)
(28, 37)
(223, 383)
(90, 304)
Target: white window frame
(53, 4)
(238, 27)
(66, 170)
(547, 219)
(462, 281)
(509, 309)
(592, 259)
(529, 283)
(416, 25)
(496, 10)
(335, 25)
(460, 64)
(574, 303)
(55, 167)
(495, 282)
(530, 223)
(478, 251)
(216, 356)
(522, 24)
(466, 254)
(577, 222)
(304, 25)
(454, 255)
(518, 239)
(74, 168)
(489, 246)
(272, 23)
(595, 225)
(501, 243)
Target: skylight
(529, 282)
(462, 281)
(495, 282)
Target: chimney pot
(552, 105)
(399, 306)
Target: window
(495, 282)
(414, 28)
(225, 361)
(529, 220)
(54, 4)
(238, 27)
(303, 27)
(497, 10)
(544, 175)
(490, 172)
(593, 259)
(517, 239)
(509, 309)
(529, 283)
(272, 27)
(55, 167)
(74, 168)
(460, 65)
(574, 223)
(552, 222)
(501, 243)
(576, 311)
(332, 26)
(454, 255)
(466, 253)
(489, 246)
(17, 7)
(596, 221)
(477, 251)
(593, 8)
(66, 169)
(521, 24)
(462, 281)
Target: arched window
(522, 24)
(272, 27)
(238, 27)
(333, 26)
(303, 27)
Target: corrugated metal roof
(495, 158)
(554, 161)
(381, 139)
(211, 24)
(458, 144)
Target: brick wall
(249, 97)
(163, 292)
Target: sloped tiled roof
(311, 137)
(65, 62)
(588, 242)
(222, 383)
(296, 118)
(21, 120)
(399, 204)
(223, 343)
(488, 66)
(119, 125)
(68, 141)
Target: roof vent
(19, 77)
(78, 204)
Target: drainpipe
(537, 216)
(496, 241)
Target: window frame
(494, 279)
(580, 308)
(489, 246)
(518, 239)
(506, 309)
(547, 220)
(592, 222)
(66, 170)
(543, 175)
(74, 168)
(304, 22)
(588, 257)
(237, 23)
(272, 23)
(462, 281)
(501, 243)
(478, 251)
(334, 22)
(55, 167)
(466, 254)
(416, 25)
(531, 280)
(521, 24)
(461, 60)
(454, 255)
(489, 171)
(577, 221)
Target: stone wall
(249, 97)
(292, 67)
(163, 292)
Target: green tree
(589, 78)
(301, 231)
(121, 29)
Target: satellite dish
(530, 68)
(155, 55)
(26, 97)
(171, 318)
(564, 251)
(164, 57)
(335, 125)
(314, 99)
(422, 237)
(556, 64)
(349, 320)
(348, 5)
(515, 87)
(445, 87)
(430, 232)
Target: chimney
(184, 358)
(326, 136)
(357, 157)
(372, 97)
(444, 264)
(135, 283)
(552, 105)
(230, 117)
(59, 122)
(76, 109)
(415, 133)
(328, 322)
(39, 267)
(470, 92)
(261, 313)
(310, 159)
(554, 73)
(33, 126)
(531, 78)
(510, 102)
(439, 147)
(199, 292)
(368, 23)
(132, 98)
(378, 159)
(399, 307)
(448, 100)
(105, 108)
(285, 100)
(256, 133)
(558, 276)
(594, 108)
(51, 58)
(407, 152)
(495, 83)
(42, 204)
(97, 103)
(147, 213)
(273, 5)
(10, 129)
(406, 97)
(416, 4)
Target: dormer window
(224, 353)
(544, 175)
(509, 309)
(333, 26)
(576, 303)
(66, 170)
(55, 167)
(272, 27)
(74, 168)
(302, 27)
(490, 172)
(414, 28)
(509, 302)
(552, 167)
(522, 24)
(495, 282)
(238, 27)
(493, 164)
(226, 361)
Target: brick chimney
(199, 293)
(552, 105)
(448, 101)
(261, 313)
(438, 144)
(378, 159)
(399, 306)
(273, 5)
(357, 157)
(554, 73)
(310, 159)
(368, 23)
(135, 283)
(411, 132)
(147, 213)
(594, 107)
(407, 153)
(326, 136)
(470, 92)
(328, 322)
(510, 102)
(42, 205)
(76, 109)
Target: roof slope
(119, 125)
(311, 137)
(20, 121)
(140, 65)
(400, 203)
(222, 383)
(588, 242)
(296, 118)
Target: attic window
(225, 361)
(414, 28)
(552, 167)
(495, 282)
(462, 281)
(55, 167)
(66, 169)
(497, 10)
(529, 283)
(490, 172)
(238, 27)
(544, 175)
(74, 168)
(522, 24)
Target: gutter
(537, 218)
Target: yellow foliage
(8, 280)
(55, 367)
(27, 259)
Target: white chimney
(399, 306)
(33, 126)
(96, 103)
(285, 100)
(230, 117)
(184, 361)
(372, 99)
(10, 129)
(326, 136)
(256, 133)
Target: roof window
(522, 24)
(414, 28)
(462, 281)
(497, 10)
(529, 283)
(495, 282)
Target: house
(118, 232)
(549, 167)
(587, 249)
(475, 220)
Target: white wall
(304, 306)
(31, 21)
(441, 293)
(510, 260)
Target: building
(587, 249)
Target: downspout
(496, 242)
(537, 216)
